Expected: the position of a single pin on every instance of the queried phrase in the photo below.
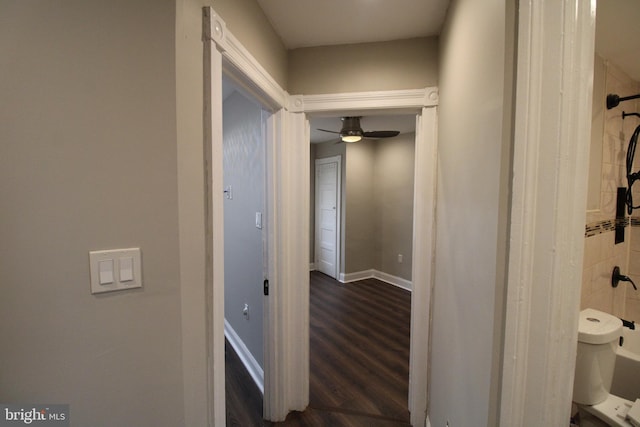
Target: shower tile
(632, 310)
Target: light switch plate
(126, 273)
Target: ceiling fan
(352, 131)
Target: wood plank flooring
(359, 359)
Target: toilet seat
(612, 410)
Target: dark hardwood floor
(359, 360)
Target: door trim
(338, 251)
(223, 54)
(550, 169)
(423, 103)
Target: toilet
(598, 335)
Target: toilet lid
(596, 327)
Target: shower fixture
(632, 177)
(613, 100)
(617, 277)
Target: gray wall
(359, 225)
(377, 200)
(400, 64)
(88, 161)
(393, 177)
(244, 171)
(246, 20)
(472, 208)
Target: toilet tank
(598, 335)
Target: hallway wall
(472, 206)
(399, 64)
(244, 172)
(88, 162)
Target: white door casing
(550, 169)
(327, 223)
(423, 102)
(286, 322)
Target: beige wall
(601, 254)
(394, 167)
(88, 161)
(247, 22)
(377, 196)
(471, 212)
(402, 64)
(359, 225)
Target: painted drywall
(394, 65)
(377, 194)
(393, 180)
(359, 225)
(244, 173)
(248, 23)
(472, 170)
(88, 161)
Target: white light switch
(259, 220)
(105, 268)
(126, 269)
(115, 270)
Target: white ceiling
(305, 23)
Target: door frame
(338, 232)
(552, 123)
(423, 103)
(223, 54)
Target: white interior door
(327, 227)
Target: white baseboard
(427, 423)
(247, 359)
(375, 274)
(358, 275)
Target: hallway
(359, 362)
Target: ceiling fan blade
(330, 131)
(381, 134)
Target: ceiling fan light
(351, 138)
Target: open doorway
(245, 249)
(375, 186)
(376, 181)
(244, 201)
